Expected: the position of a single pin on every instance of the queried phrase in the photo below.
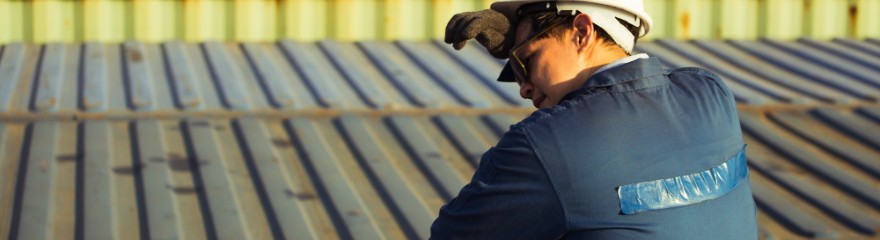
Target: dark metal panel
(741, 93)
(116, 91)
(94, 78)
(325, 84)
(781, 208)
(859, 46)
(307, 190)
(809, 70)
(277, 90)
(841, 66)
(252, 89)
(11, 67)
(124, 189)
(209, 91)
(427, 155)
(11, 141)
(286, 213)
(140, 77)
(859, 57)
(404, 78)
(854, 126)
(486, 70)
(732, 72)
(228, 77)
(214, 176)
(863, 158)
(499, 123)
(241, 179)
(463, 136)
(755, 66)
(34, 216)
(811, 160)
(388, 179)
(167, 206)
(871, 113)
(443, 72)
(324, 166)
(99, 208)
(64, 205)
(821, 199)
(357, 71)
(51, 74)
(182, 77)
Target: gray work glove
(491, 29)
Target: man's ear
(583, 31)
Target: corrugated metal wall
(367, 140)
(114, 21)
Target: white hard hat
(604, 14)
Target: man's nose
(525, 90)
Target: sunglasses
(522, 73)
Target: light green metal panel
(255, 21)
(404, 19)
(103, 21)
(53, 21)
(864, 16)
(738, 19)
(783, 19)
(356, 19)
(658, 11)
(825, 19)
(691, 19)
(307, 20)
(310, 20)
(155, 21)
(12, 23)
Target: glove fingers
(468, 30)
(455, 24)
(494, 42)
(459, 45)
(451, 27)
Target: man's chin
(542, 103)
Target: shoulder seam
(540, 159)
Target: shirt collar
(621, 71)
(625, 70)
(621, 61)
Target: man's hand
(491, 29)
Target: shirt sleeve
(509, 197)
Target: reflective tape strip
(686, 189)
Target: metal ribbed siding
(367, 140)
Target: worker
(619, 148)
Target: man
(619, 149)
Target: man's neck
(598, 59)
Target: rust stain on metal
(126, 170)
(177, 162)
(43, 165)
(184, 190)
(353, 212)
(134, 55)
(685, 21)
(305, 196)
(853, 19)
(281, 142)
(67, 158)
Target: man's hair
(542, 20)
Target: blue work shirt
(602, 163)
